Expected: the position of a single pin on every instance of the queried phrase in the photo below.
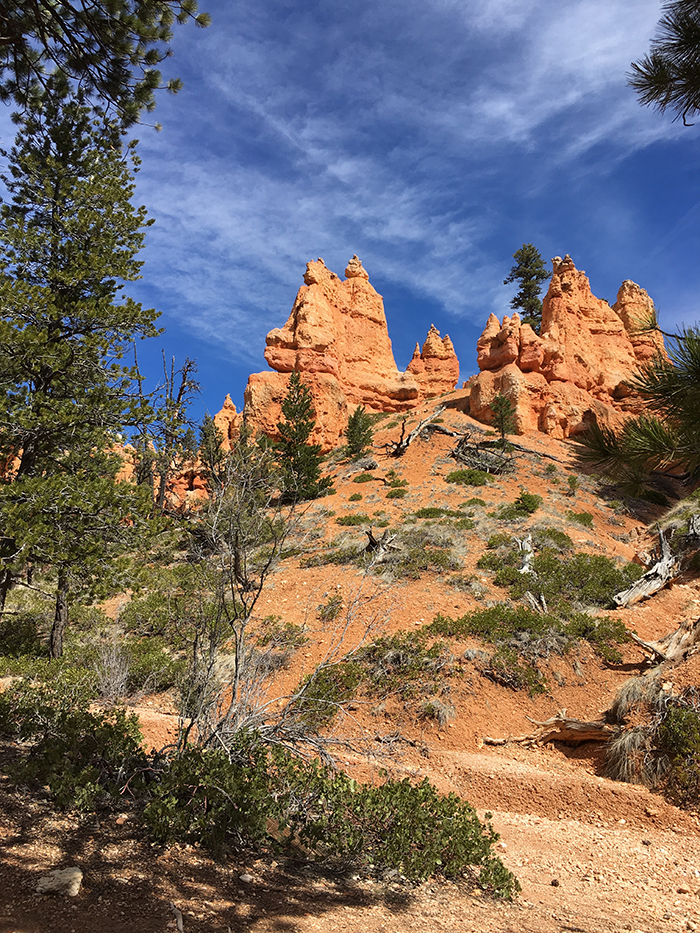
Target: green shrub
(79, 754)
(475, 501)
(498, 540)
(550, 468)
(356, 497)
(506, 667)
(463, 524)
(364, 478)
(393, 479)
(325, 690)
(21, 635)
(573, 484)
(334, 555)
(526, 504)
(331, 609)
(394, 827)
(582, 518)
(273, 632)
(602, 633)
(568, 584)
(353, 520)
(469, 477)
(396, 494)
(548, 537)
(436, 512)
(400, 662)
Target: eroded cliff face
(577, 369)
(337, 337)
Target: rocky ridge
(336, 336)
(577, 370)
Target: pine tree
(107, 48)
(67, 237)
(359, 433)
(530, 272)
(667, 435)
(669, 76)
(503, 417)
(300, 461)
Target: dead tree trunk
(399, 448)
(560, 728)
(676, 645)
(662, 573)
(380, 547)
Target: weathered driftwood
(660, 575)
(380, 547)
(399, 448)
(676, 645)
(526, 549)
(538, 603)
(478, 457)
(559, 728)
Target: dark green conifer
(359, 433)
(530, 272)
(300, 462)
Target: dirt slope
(591, 854)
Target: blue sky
(431, 138)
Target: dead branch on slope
(677, 645)
(399, 448)
(477, 456)
(662, 573)
(559, 728)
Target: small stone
(246, 878)
(64, 881)
(554, 882)
(683, 889)
(646, 842)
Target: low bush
(364, 478)
(568, 584)
(581, 518)
(79, 754)
(475, 501)
(356, 497)
(353, 520)
(526, 504)
(397, 494)
(410, 829)
(469, 477)
(436, 512)
(393, 479)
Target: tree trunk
(60, 619)
(5, 584)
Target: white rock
(64, 881)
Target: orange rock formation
(337, 337)
(576, 370)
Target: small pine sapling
(299, 461)
(359, 433)
(503, 417)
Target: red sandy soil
(591, 854)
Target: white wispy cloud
(403, 131)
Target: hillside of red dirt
(591, 854)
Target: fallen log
(560, 728)
(660, 575)
(676, 645)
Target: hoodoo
(337, 337)
(577, 369)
